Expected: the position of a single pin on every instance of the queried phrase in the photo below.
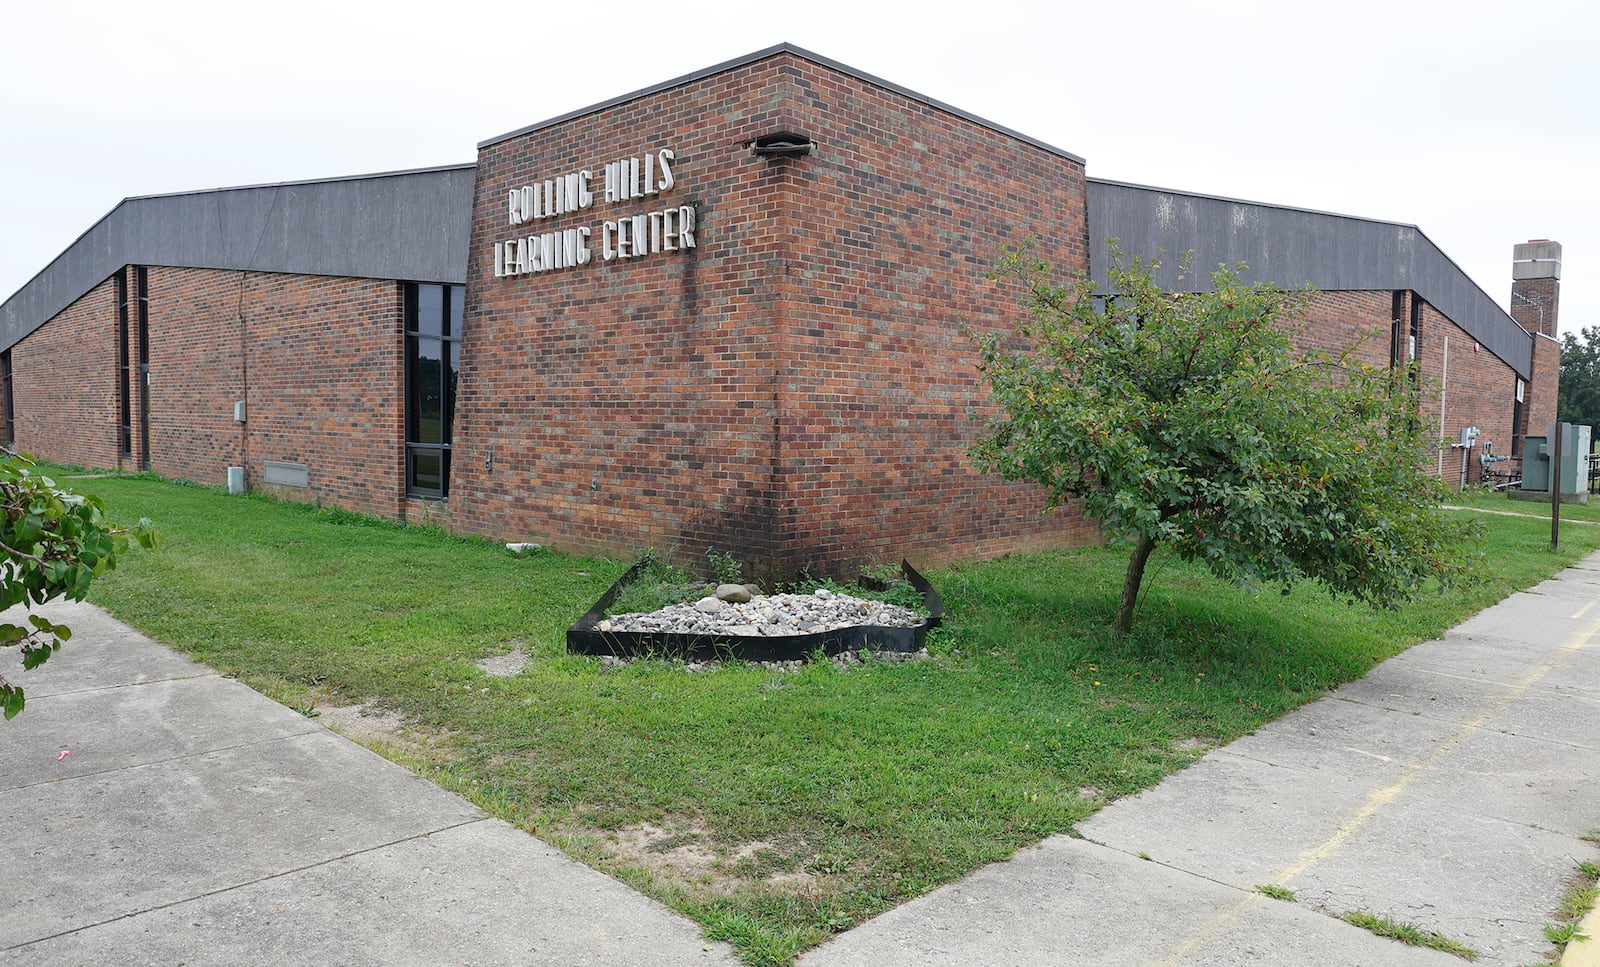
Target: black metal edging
(583, 638)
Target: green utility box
(1536, 454)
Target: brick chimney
(1536, 285)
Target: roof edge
(400, 173)
(773, 51)
(1315, 211)
(1246, 201)
(213, 191)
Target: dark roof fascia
(113, 240)
(400, 173)
(1244, 201)
(784, 48)
(1497, 319)
(212, 191)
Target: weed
(1275, 891)
(1578, 902)
(725, 566)
(1589, 869)
(1562, 934)
(1411, 934)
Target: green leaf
(11, 700)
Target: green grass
(1408, 934)
(1583, 514)
(775, 808)
(1576, 904)
(1275, 891)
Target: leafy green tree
(53, 544)
(1190, 419)
(1578, 400)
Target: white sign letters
(643, 176)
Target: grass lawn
(775, 808)
(1500, 503)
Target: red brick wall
(1478, 389)
(1335, 321)
(326, 387)
(65, 384)
(794, 389)
(897, 218)
(1542, 389)
(195, 373)
(325, 382)
(1535, 304)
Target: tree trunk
(1131, 583)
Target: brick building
(730, 310)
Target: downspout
(1444, 389)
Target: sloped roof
(410, 225)
(1295, 247)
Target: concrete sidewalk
(1447, 789)
(194, 821)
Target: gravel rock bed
(764, 616)
(843, 661)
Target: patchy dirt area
(364, 723)
(504, 666)
(685, 853)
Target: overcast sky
(1477, 122)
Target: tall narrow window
(124, 373)
(433, 316)
(9, 427)
(141, 289)
(1397, 306)
(1516, 420)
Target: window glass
(430, 310)
(433, 315)
(427, 391)
(427, 472)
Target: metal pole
(1555, 487)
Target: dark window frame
(141, 292)
(427, 461)
(124, 371)
(8, 418)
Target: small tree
(1189, 419)
(53, 544)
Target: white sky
(1476, 121)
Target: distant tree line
(1579, 397)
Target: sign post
(1560, 430)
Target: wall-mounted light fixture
(782, 144)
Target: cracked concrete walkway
(1447, 789)
(192, 820)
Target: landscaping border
(585, 638)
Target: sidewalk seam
(205, 673)
(247, 883)
(176, 758)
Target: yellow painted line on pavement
(1377, 800)
(1582, 611)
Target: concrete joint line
(175, 758)
(1382, 797)
(152, 681)
(238, 886)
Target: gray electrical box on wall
(238, 411)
